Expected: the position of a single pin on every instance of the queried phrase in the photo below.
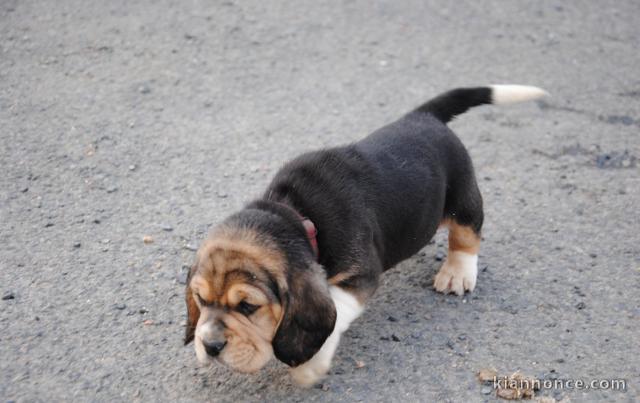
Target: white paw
(309, 373)
(457, 274)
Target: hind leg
(459, 272)
(463, 218)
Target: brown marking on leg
(342, 276)
(463, 238)
(348, 281)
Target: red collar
(312, 232)
(309, 227)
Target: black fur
(309, 316)
(374, 203)
(456, 102)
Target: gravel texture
(128, 128)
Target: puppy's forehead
(232, 256)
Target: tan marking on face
(244, 292)
(227, 246)
(200, 286)
(234, 265)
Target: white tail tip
(511, 94)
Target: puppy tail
(455, 102)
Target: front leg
(348, 308)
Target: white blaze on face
(204, 331)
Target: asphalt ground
(120, 120)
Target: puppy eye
(246, 308)
(201, 301)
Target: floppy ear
(309, 316)
(193, 312)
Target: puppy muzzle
(214, 348)
(211, 335)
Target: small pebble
(190, 247)
(147, 239)
(8, 295)
(77, 244)
(440, 255)
(132, 167)
(148, 322)
(359, 364)
(24, 189)
(111, 189)
(486, 390)
(487, 374)
(581, 305)
(144, 89)
(167, 228)
(222, 195)
(395, 338)
(392, 319)
(143, 310)
(120, 307)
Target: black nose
(214, 348)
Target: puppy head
(248, 299)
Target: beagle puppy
(287, 275)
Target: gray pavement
(126, 119)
